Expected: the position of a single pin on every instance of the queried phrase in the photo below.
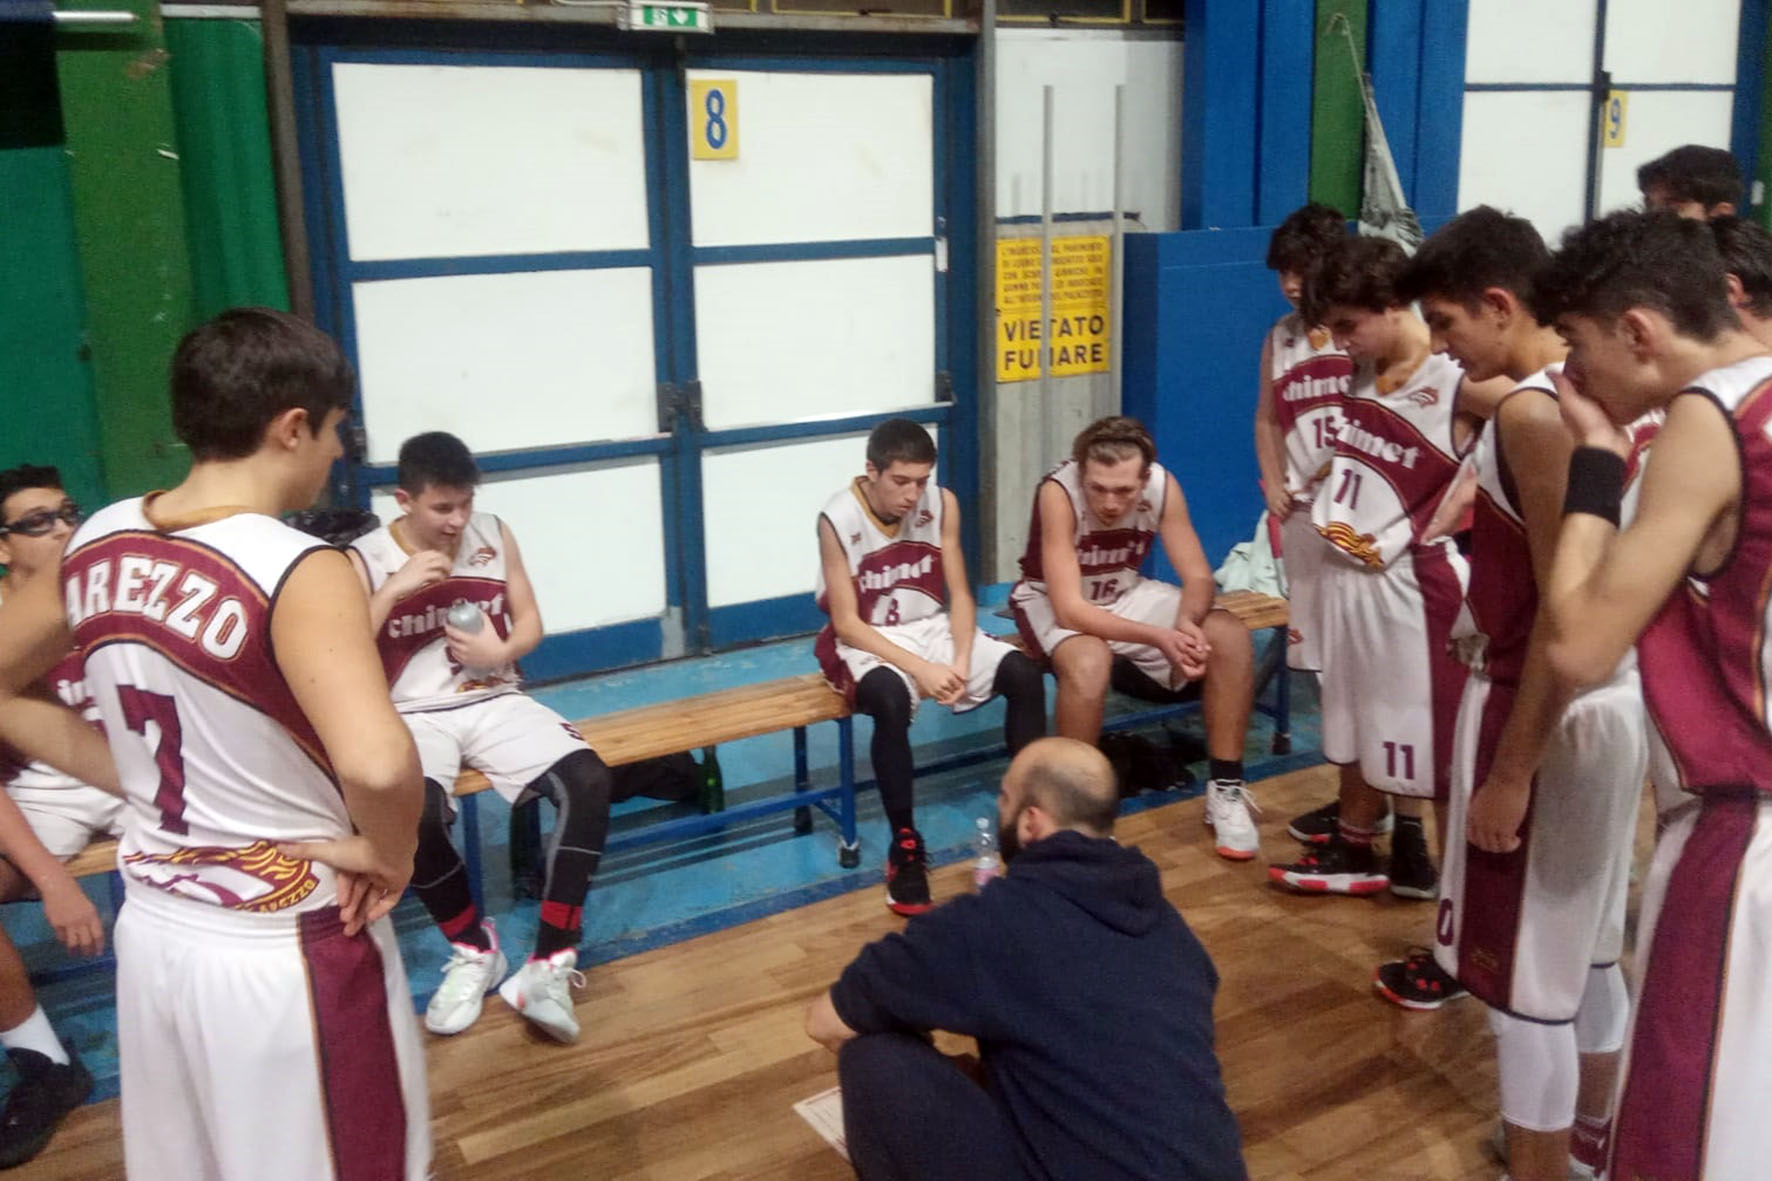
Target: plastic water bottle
(465, 617)
(987, 864)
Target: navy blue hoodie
(1092, 1005)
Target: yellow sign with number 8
(713, 119)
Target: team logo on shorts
(1294, 636)
(573, 730)
(1363, 547)
(1424, 397)
(256, 878)
(483, 556)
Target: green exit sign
(670, 18)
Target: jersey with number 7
(218, 763)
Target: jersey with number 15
(217, 760)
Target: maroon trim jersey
(67, 682)
(413, 647)
(1707, 655)
(895, 569)
(1394, 460)
(218, 763)
(1309, 377)
(1109, 557)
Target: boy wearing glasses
(45, 818)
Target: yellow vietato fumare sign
(1079, 328)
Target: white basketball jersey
(411, 640)
(1309, 377)
(896, 569)
(23, 776)
(1394, 460)
(218, 762)
(1109, 556)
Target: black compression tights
(881, 694)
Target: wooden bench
(727, 715)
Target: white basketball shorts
(1145, 601)
(932, 639)
(1303, 551)
(1692, 1100)
(1390, 683)
(1521, 929)
(265, 1046)
(67, 819)
(512, 739)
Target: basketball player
(263, 1019)
(903, 627)
(1082, 605)
(45, 818)
(1303, 379)
(1746, 250)
(1693, 181)
(460, 694)
(1532, 908)
(1390, 596)
(1642, 302)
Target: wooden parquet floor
(693, 1055)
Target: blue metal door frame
(671, 256)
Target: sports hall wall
(666, 362)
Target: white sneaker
(1228, 805)
(468, 976)
(541, 990)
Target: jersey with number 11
(217, 760)
(1395, 458)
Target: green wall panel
(224, 147)
(45, 383)
(1338, 115)
(130, 224)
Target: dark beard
(1008, 840)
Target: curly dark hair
(1306, 234)
(1355, 273)
(1746, 249)
(1479, 249)
(1632, 259)
(28, 475)
(1693, 172)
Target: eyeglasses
(42, 522)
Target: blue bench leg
(470, 837)
(849, 852)
(802, 781)
(1282, 700)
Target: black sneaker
(1412, 871)
(907, 874)
(46, 1092)
(1316, 827)
(1334, 868)
(1416, 981)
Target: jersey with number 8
(217, 760)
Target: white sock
(35, 1033)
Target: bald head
(1070, 781)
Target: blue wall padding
(1440, 123)
(1197, 305)
(1288, 59)
(1220, 65)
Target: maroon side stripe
(1494, 883)
(1441, 598)
(359, 1074)
(1663, 1113)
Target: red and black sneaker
(1333, 868)
(907, 874)
(1416, 981)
